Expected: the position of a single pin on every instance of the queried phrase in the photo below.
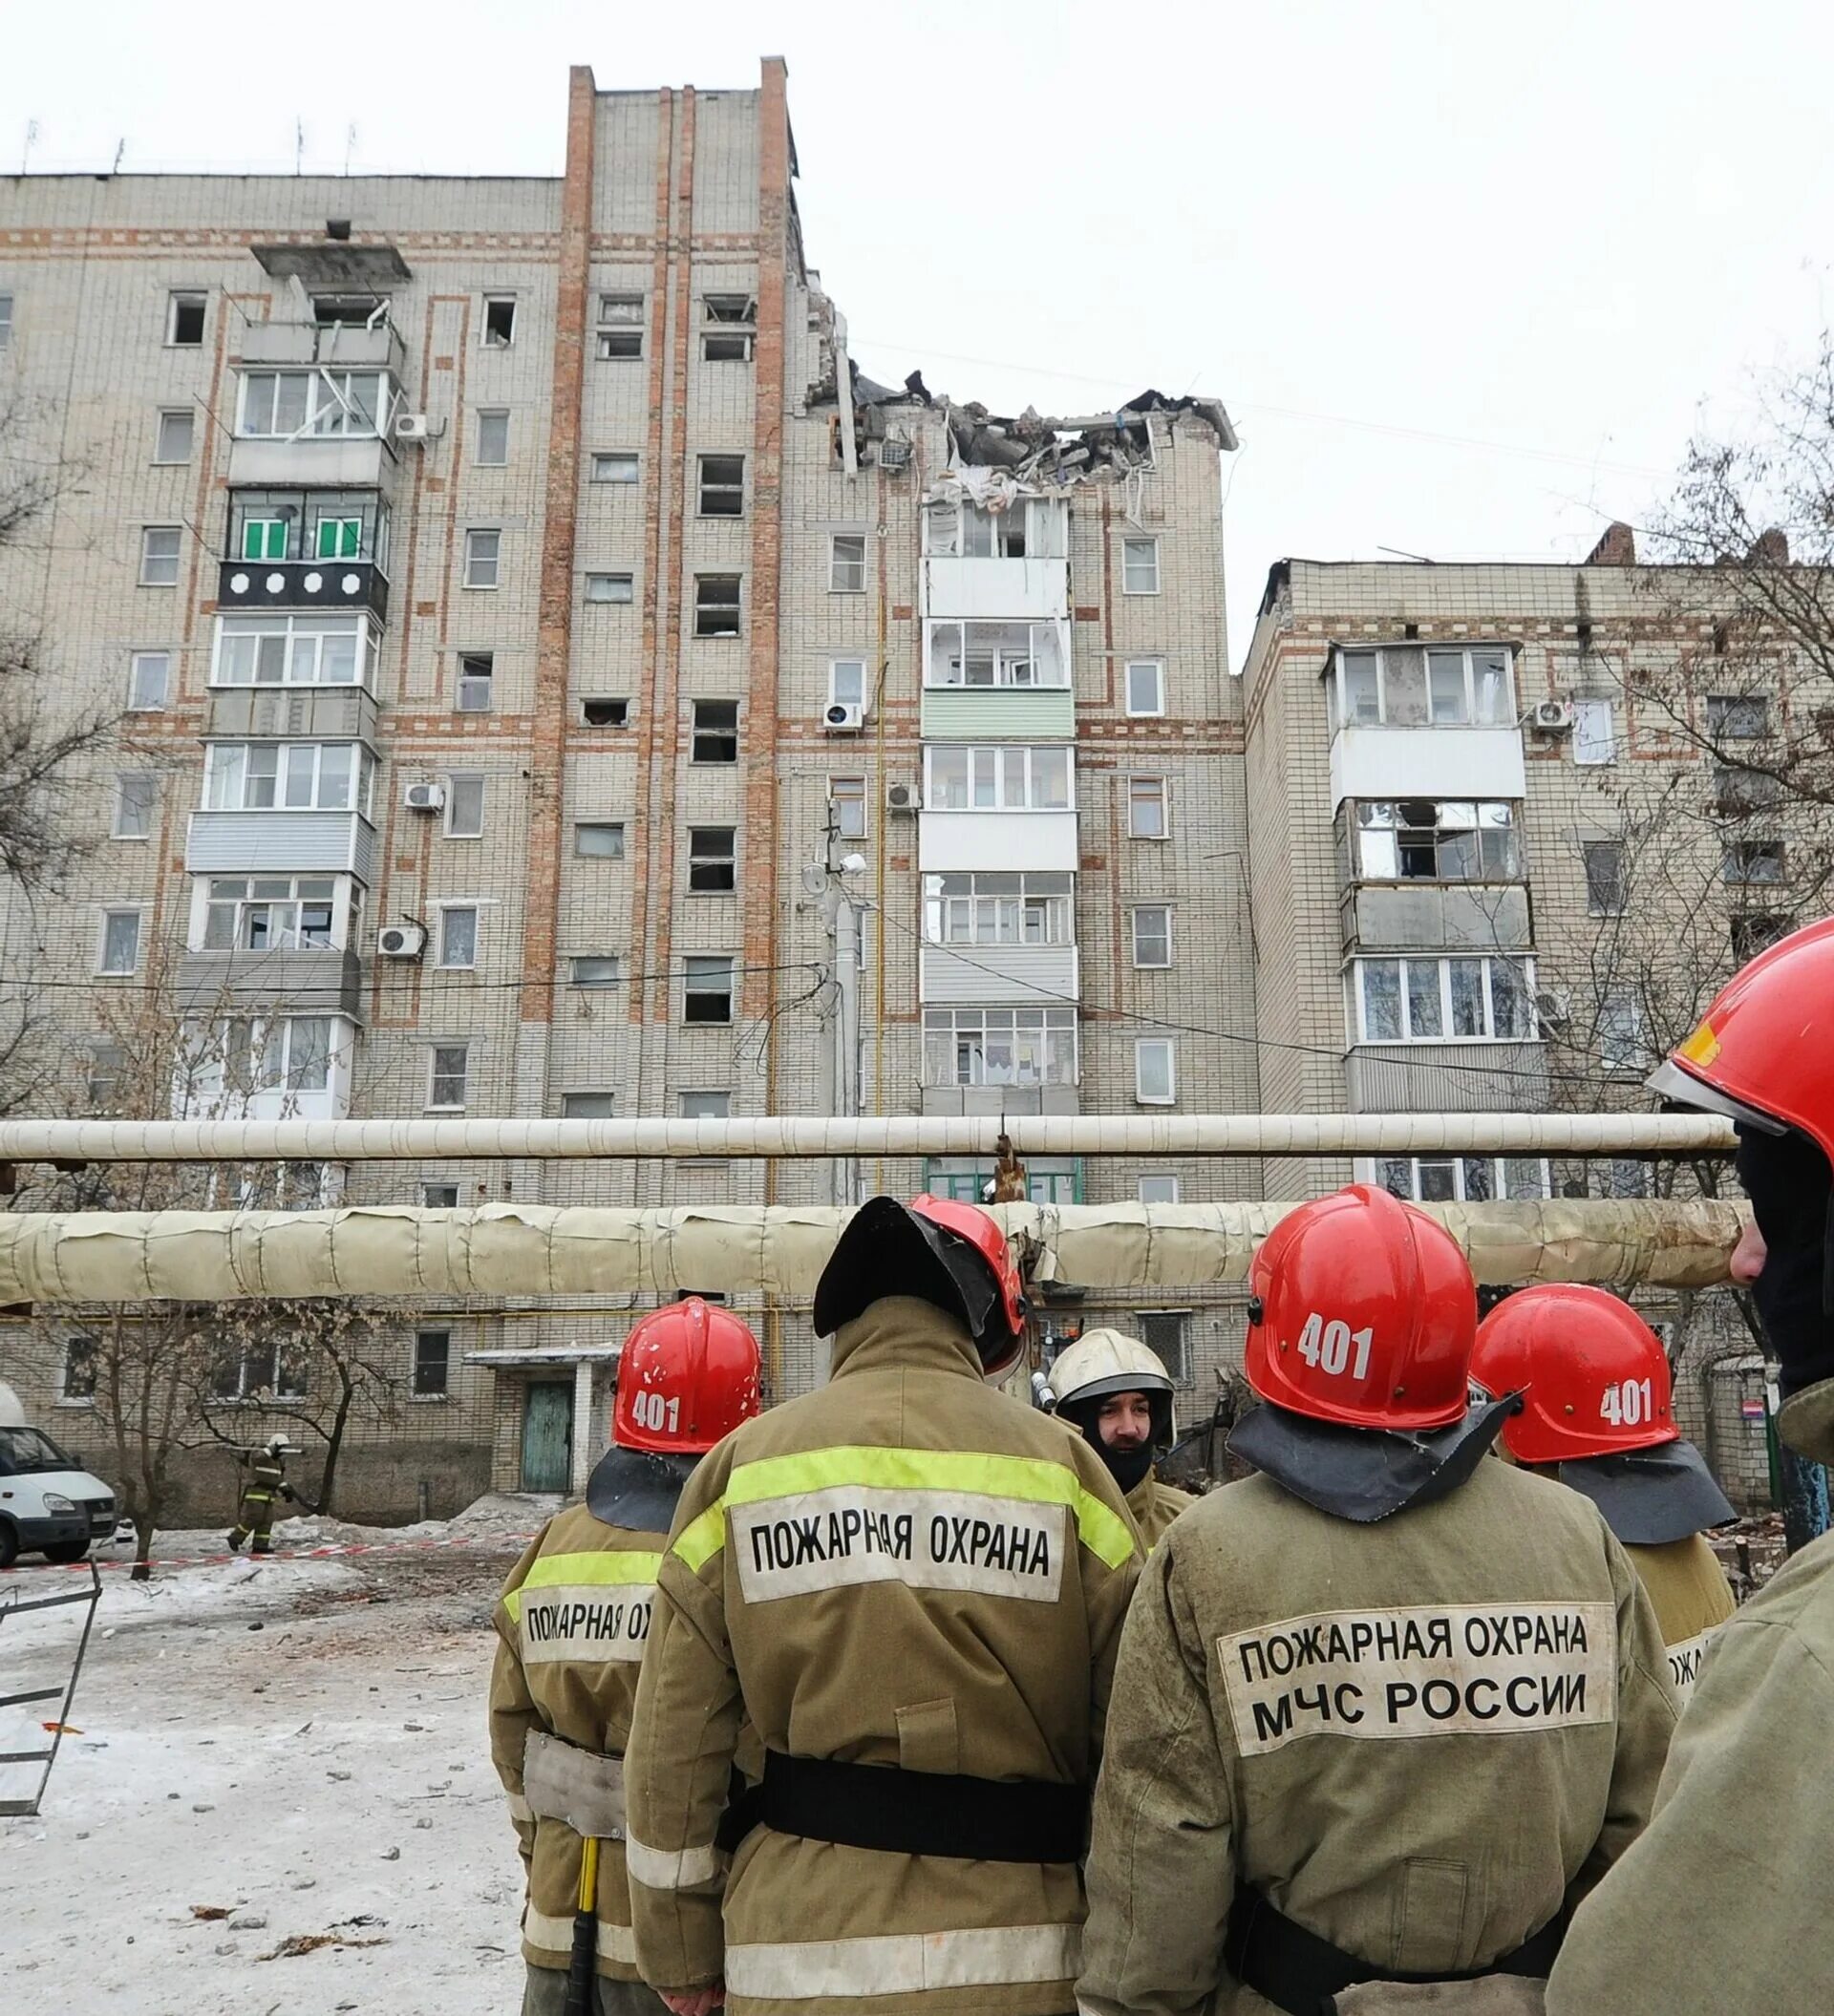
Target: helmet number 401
(1627, 1405)
(1325, 1347)
(654, 1413)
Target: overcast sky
(1463, 273)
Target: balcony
(303, 585)
(342, 345)
(338, 462)
(1447, 1077)
(316, 714)
(296, 842)
(306, 981)
(1021, 841)
(960, 587)
(1421, 915)
(971, 974)
(1378, 762)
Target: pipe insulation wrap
(777, 1251)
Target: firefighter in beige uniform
(1385, 1710)
(1117, 1394)
(914, 1586)
(1722, 1908)
(573, 1621)
(1598, 1414)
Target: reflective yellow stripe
(667, 1869)
(552, 1571)
(904, 1962)
(553, 1934)
(1034, 1479)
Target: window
(1755, 861)
(847, 563)
(611, 587)
(339, 539)
(458, 935)
(1623, 1180)
(6, 324)
(731, 330)
(1021, 1046)
(1139, 566)
(465, 806)
(847, 683)
(1416, 686)
(847, 802)
(448, 1081)
(184, 319)
(1439, 1000)
(1604, 878)
(499, 320)
(137, 797)
(620, 333)
(604, 713)
(243, 1056)
(107, 1063)
(1595, 737)
(1034, 529)
(350, 310)
(996, 654)
(277, 650)
(149, 678)
(172, 442)
(1756, 933)
(705, 1105)
(264, 539)
(715, 732)
(483, 553)
(1620, 1033)
(1738, 790)
(587, 1106)
(1164, 1333)
(599, 839)
(1145, 687)
(121, 950)
(1738, 717)
(593, 969)
(1159, 1190)
(1147, 817)
(711, 870)
(999, 910)
(1153, 935)
(1005, 777)
(271, 1370)
(293, 777)
(1434, 839)
(159, 556)
(716, 604)
(440, 1197)
(1462, 1179)
(707, 995)
(476, 671)
(493, 437)
(1045, 1184)
(431, 1363)
(267, 913)
(283, 405)
(616, 467)
(723, 486)
(80, 1370)
(1155, 1070)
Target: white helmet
(275, 1446)
(1104, 1362)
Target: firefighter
(1383, 1708)
(1744, 1828)
(915, 1588)
(572, 1621)
(1117, 1394)
(266, 1481)
(1597, 1415)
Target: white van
(47, 1505)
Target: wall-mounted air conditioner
(903, 797)
(400, 941)
(1553, 716)
(424, 798)
(845, 717)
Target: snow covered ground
(298, 1746)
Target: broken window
(499, 320)
(707, 992)
(620, 330)
(1755, 861)
(1434, 839)
(1604, 878)
(1738, 717)
(711, 867)
(716, 604)
(611, 587)
(730, 332)
(184, 319)
(715, 732)
(433, 1356)
(723, 486)
(606, 714)
(476, 671)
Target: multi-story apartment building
(546, 666)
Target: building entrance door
(547, 1437)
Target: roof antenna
(121, 148)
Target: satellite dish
(815, 878)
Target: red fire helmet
(686, 1377)
(1594, 1373)
(1363, 1313)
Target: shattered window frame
(719, 606)
(728, 332)
(622, 324)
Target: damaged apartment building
(555, 681)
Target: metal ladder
(63, 1695)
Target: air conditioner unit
(424, 798)
(400, 941)
(894, 451)
(845, 717)
(416, 427)
(903, 797)
(1553, 715)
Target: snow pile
(508, 1513)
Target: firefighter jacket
(572, 1621)
(1418, 1738)
(903, 1568)
(1154, 1506)
(266, 1481)
(1691, 1599)
(1722, 1908)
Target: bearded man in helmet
(1597, 1415)
(1383, 1710)
(1117, 1394)
(913, 1586)
(573, 1621)
(1744, 1825)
